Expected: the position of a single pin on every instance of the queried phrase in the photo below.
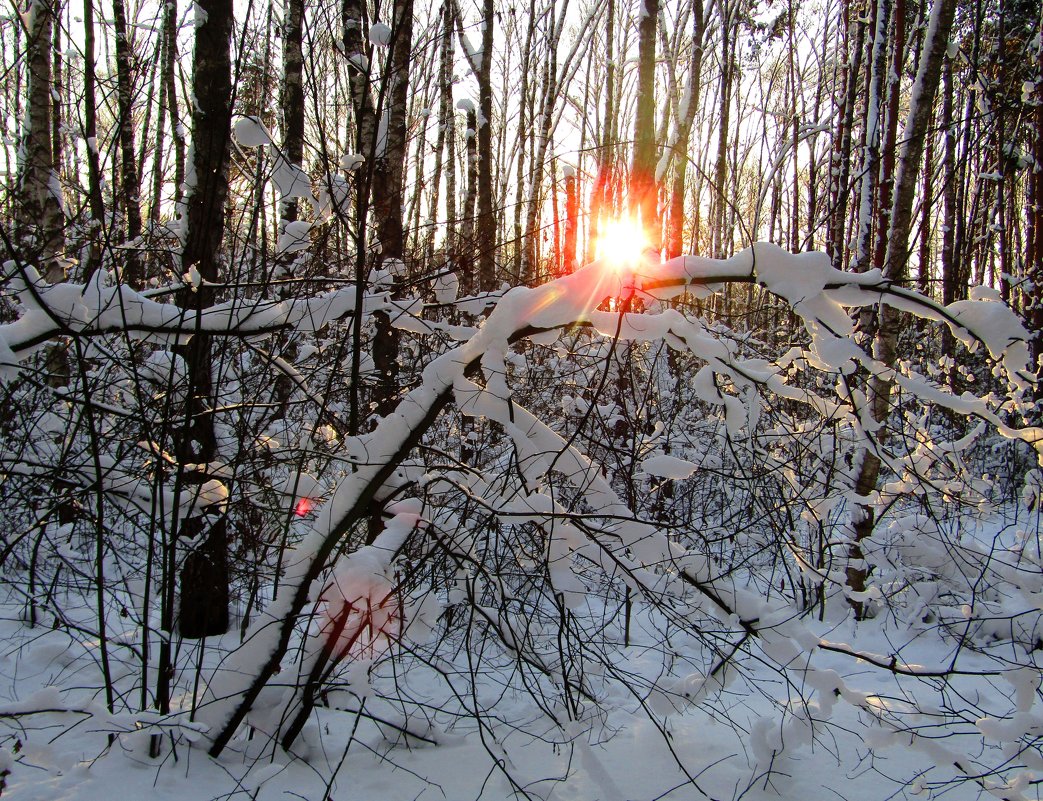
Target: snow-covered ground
(518, 674)
(735, 744)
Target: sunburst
(621, 242)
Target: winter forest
(576, 400)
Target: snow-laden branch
(621, 544)
(103, 306)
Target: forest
(521, 399)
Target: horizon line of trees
(723, 123)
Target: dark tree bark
(156, 200)
(465, 256)
(1034, 233)
(606, 141)
(293, 95)
(169, 72)
(571, 221)
(840, 173)
(871, 147)
(204, 577)
(388, 191)
(949, 289)
(445, 126)
(486, 222)
(90, 132)
(721, 169)
(520, 241)
(130, 186)
(353, 17)
(888, 145)
(56, 91)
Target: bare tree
(885, 346)
(130, 183)
(39, 217)
(644, 192)
(205, 577)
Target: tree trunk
(156, 200)
(524, 124)
(948, 193)
(871, 145)
(129, 184)
(90, 132)
(885, 345)
(1034, 235)
(721, 169)
(607, 139)
(465, 256)
(169, 71)
(204, 577)
(353, 18)
(486, 227)
(40, 221)
(293, 97)
(888, 145)
(840, 174)
(56, 91)
(388, 191)
(644, 195)
(445, 121)
(689, 108)
(571, 221)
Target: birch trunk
(40, 221)
(885, 345)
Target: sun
(622, 242)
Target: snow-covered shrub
(579, 498)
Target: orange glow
(303, 507)
(622, 242)
(366, 626)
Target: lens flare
(622, 242)
(304, 507)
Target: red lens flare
(304, 507)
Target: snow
(294, 237)
(250, 132)
(291, 180)
(446, 288)
(383, 123)
(483, 624)
(103, 305)
(380, 34)
(211, 494)
(647, 743)
(333, 195)
(352, 161)
(164, 368)
(671, 467)
(303, 485)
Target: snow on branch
(104, 306)
(474, 375)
